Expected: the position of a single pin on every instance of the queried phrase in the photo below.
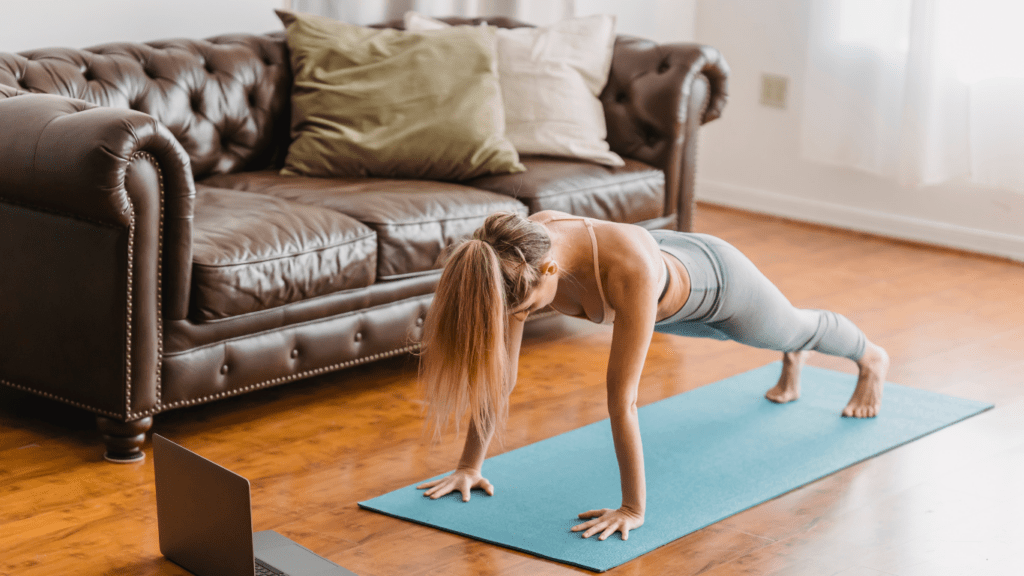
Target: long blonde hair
(464, 362)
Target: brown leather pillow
(389, 103)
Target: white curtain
(919, 91)
(370, 11)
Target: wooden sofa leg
(124, 439)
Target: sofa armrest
(656, 98)
(70, 157)
(95, 242)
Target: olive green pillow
(389, 103)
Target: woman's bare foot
(788, 388)
(867, 397)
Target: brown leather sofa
(151, 257)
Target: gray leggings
(730, 299)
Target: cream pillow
(369, 102)
(551, 77)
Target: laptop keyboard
(264, 570)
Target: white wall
(659, 20)
(28, 24)
(750, 157)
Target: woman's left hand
(608, 522)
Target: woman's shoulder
(629, 250)
(624, 233)
(544, 216)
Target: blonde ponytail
(464, 364)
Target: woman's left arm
(631, 337)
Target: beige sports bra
(609, 314)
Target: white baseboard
(861, 220)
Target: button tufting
(620, 97)
(419, 321)
(359, 336)
(663, 67)
(224, 369)
(295, 353)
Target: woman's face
(542, 294)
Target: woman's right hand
(463, 480)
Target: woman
(646, 281)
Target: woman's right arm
(469, 473)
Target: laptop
(204, 517)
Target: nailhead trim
(55, 397)
(280, 380)
(289, 378)
(128, 316)
(159, 276)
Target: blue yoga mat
(709, 453)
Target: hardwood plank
(945, 525)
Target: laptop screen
(204, 513)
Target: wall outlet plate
(774, 90)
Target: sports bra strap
(597, 271)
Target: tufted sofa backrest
(224, 98)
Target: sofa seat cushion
(253, 252)
(414, 219)
(631, 193)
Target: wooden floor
(950, 503)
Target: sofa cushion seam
(285, 256)
(417, 222)
(598, 187)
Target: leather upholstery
(224, 99)
(105, 246)
(260, 359)
(631, 193)
(253, 252)
(656, 97)
(85, 176)
(185, 335)
(414, 219)
(87, 341)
